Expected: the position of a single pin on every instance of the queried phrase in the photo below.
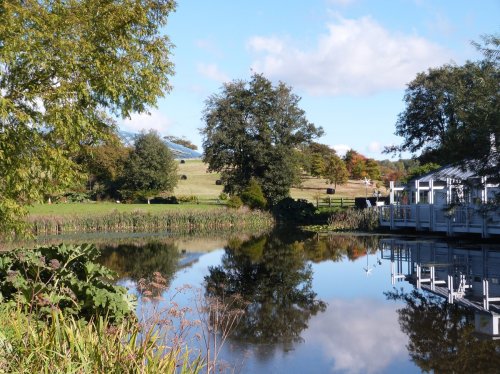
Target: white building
(448, 200)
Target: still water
(334, 304)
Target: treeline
(319, 160)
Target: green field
(201, 184)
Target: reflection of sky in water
(358, 336)
(358, 333)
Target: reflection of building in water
(467, 276)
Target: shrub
(297, 211)
(223, 196)
(253, 197)
(187, 199)
(234, 202)
(64, 278)
(164, 200)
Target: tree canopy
(66, 69)
(452, 113)
(151, 167)
(252, 130)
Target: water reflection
(308, 294)
(135, 261)
(358, 336)
(454, 302)
(272, 275)
(441, 335)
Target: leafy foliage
(66, 68)
(453, 113)
(104, 164)
(151, 167)
(251, 131)
(64, 278)
(253, 197)
(234, 202)
(335, 170)
(182, 141)
(295, 211)
(419, 170)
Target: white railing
(456, 219)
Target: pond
(337, 303)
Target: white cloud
(354, 56)
(211, 71)
(263, 44)
(341, 149)
(156, 121)
(359, 336)
(374, 147)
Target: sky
(349, 60)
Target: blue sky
(349, 60)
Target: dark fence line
(332, 202)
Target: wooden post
(450, 289)
(486, 301)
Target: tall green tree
(335, 171)
(252, 130)
(66, 69)
(151, 167)
(103, 163)
(452, 113)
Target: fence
(331, 202)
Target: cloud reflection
(359, 336)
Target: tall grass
(354, 219)
(68, 345)
(137, 221)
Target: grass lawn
(106, 208)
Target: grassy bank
(68, 218)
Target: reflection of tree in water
(441, 335)
(136, 261)
(338, 247)
(275, 282)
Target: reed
(354, 219)
(140, 221)
(68, 345)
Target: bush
(234, 202)
(253, 197)
(164, 200)
(187, 199)
(223, 196)
(297, 211)
(62, 278)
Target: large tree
(452, 113)
(151, 167)
(66, 69)
(251, 131)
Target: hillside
(202, 184)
